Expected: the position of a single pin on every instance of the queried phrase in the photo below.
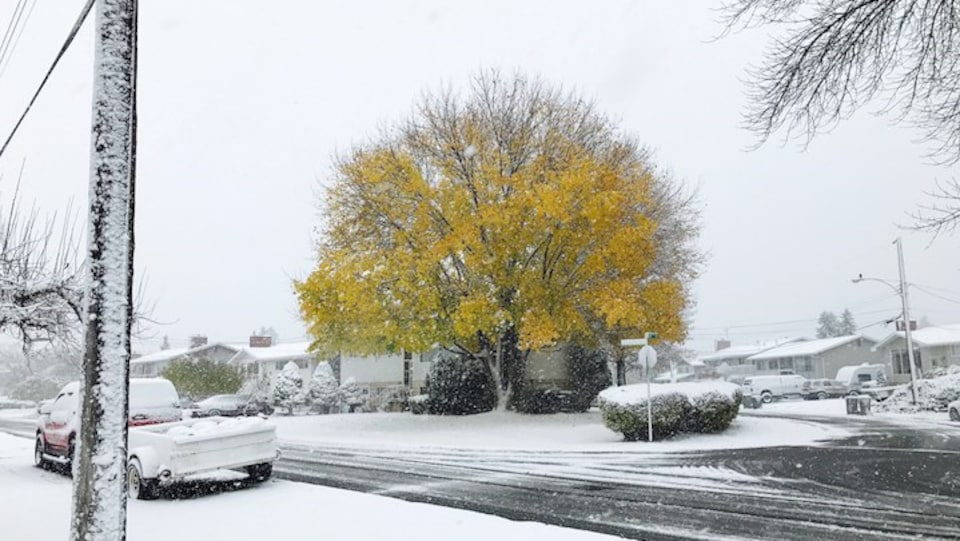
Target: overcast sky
(242, 105)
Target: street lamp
(905, 302)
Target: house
(732, 361)
(153, 364)
(262, 360)
(820, 358)
(934, 347)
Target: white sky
(242, 105)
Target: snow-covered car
(821, 389)
(769, 388)
(229, 405)
(152, 401)
(162, 449)
(953, 409)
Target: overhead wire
(12, 24)
(63, 49)
(4, 63)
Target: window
(901, 363)
(804, 364)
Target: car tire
(954, 414)
(71, 450)
(853, 393)
(822, 395)
(139, 488)
(260, 472)
(766, 397)
(38, 450)
(213, 413)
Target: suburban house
(153, 364)
(820, 358)
(732, 361)
(261, 361)
(934, 347)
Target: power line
(63, 49)
(11, 28)
(16, 40)
(777, 323)
(932, 294)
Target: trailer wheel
(260, 472)
(139, 488)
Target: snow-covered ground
(506, 430)
(837, 407)
(36, 505)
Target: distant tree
(288, 387)
(351, 394)
(268, 331)
(166, 343)
(35, 387)
(847, 325)
(324, 390)
(828, 325)
(835, 56)
(924, 322)
(203, 377)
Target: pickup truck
(162, 449)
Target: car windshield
(538, 269)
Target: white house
(936, 346)
(261, 363)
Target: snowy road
(844, 491)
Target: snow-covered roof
(278, 352)
(938, 335)
(162, 355)
(807, 347)
(169, 354)
(736, 352)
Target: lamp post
(905, 304)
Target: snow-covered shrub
(351, 394)
(532, 400)
(589, 374)
(714, 411)
(677, 407)
(932, 394)
(324, 391)
(459, 386)
(419, 403)
(288, 387)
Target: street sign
(633, 342)
(647, 357)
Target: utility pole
(99, 467)
(905, 300)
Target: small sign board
(633, 342)
(647, 357)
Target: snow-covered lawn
(506, 430)
(36, 505)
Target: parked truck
(162, 449)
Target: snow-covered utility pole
(907, 331)
(99, 469)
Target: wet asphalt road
(886, 482)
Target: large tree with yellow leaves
(495, 224)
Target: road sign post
(647, 358)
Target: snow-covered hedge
(932, 394)
(677, 407)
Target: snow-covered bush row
(702, 407)
(13, 403)
(932, 394)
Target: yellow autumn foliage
(469, 222)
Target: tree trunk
(99, 498)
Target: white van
(771, 387)
(863, 375)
